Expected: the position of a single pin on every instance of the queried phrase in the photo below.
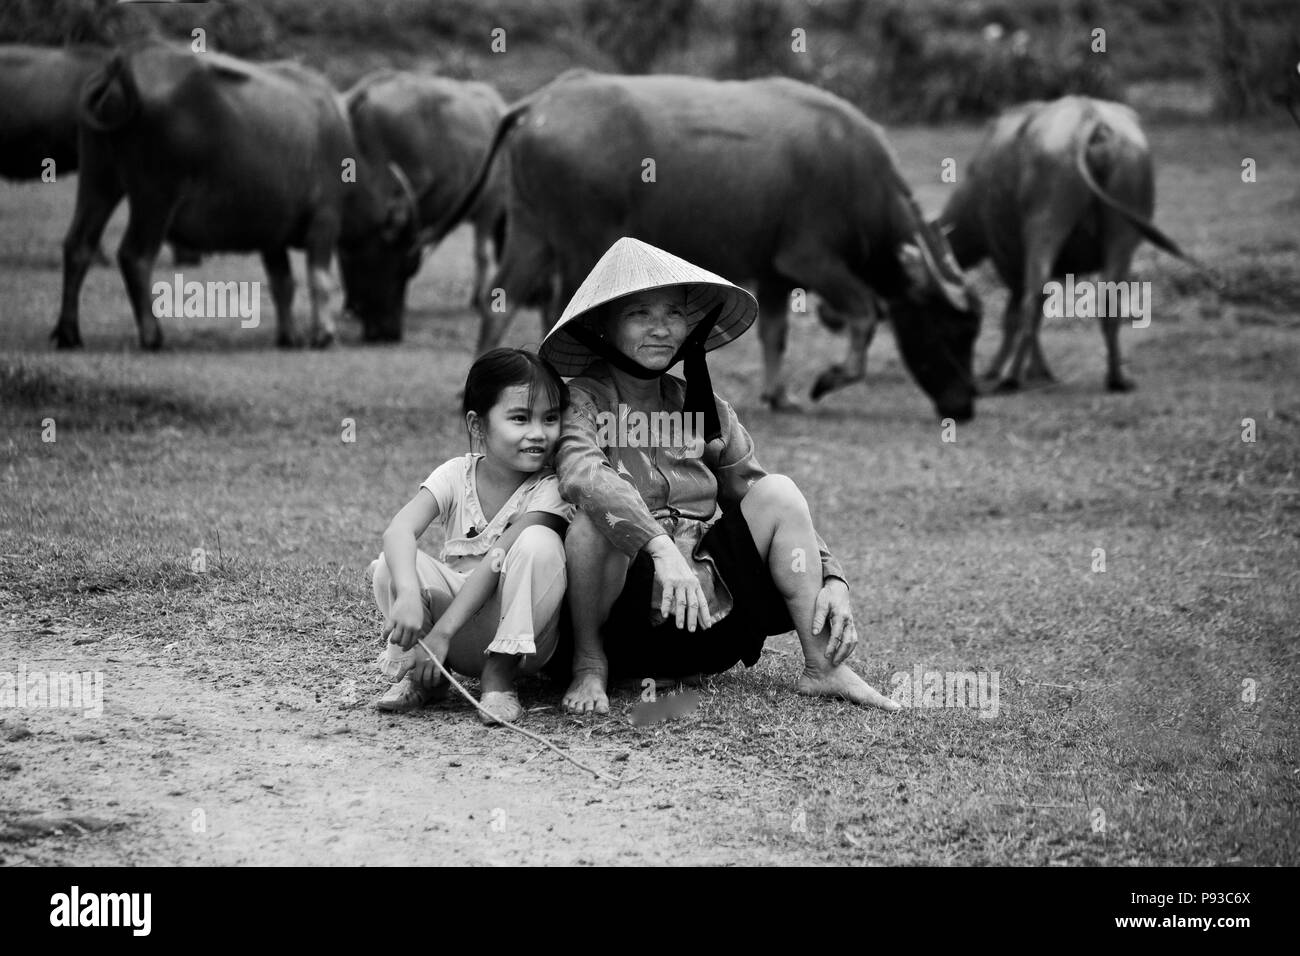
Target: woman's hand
(683, 598)
(833, 605)
(405, 620)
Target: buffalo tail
(109, 98)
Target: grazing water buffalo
(39, 90)
(1056, 188)
(432, 132)
(770, 182)
(217, 154)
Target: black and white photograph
(651, 433)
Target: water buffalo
(770, 182)
(1055, 188)
(39, 89)
(433, 133)
(217, 154)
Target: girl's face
(649, 327)
(515, 435)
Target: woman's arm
(406, 615)
(589, 481)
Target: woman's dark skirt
(638, 649)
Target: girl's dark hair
(495, 371)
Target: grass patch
(1123, 735)
(106, 403)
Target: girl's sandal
(406, 695)
(503, 705)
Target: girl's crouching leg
(532, 591)
(382, 584)
(392, 659)
(438, 587)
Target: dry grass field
(1147, 714)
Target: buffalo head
(377, 261)
(936, 322)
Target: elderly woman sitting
(685, 554)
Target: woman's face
(649, 327)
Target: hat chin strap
(699, 387)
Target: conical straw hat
(631, 265)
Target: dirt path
(185, 770)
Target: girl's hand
(423, 671)
(405, 621)
(683, 598)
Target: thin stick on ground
(527, 733)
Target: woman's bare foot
(842, 682)
(587, 694)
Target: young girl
(490, 603)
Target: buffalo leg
(844, 294)
(1028, 365)
(526, 258)
(136, 257)
(854, 367)
(773, 330)
(1118, 259)
(1047, 237)
(1046, 231)
(320, 287)
(1115, 378)
(482, 232)
(1120, 241)
(557, 297)
(1010, 318)
(98, 193)
(280, 275)
(1037, 370)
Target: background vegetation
(923, 61)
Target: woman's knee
(584, 539)
(775, 491)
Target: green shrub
(240, 27)
(53, 22)
(1253, 48)
(928, 61)
(635, 33)
(920, 75)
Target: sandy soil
(192, 764)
